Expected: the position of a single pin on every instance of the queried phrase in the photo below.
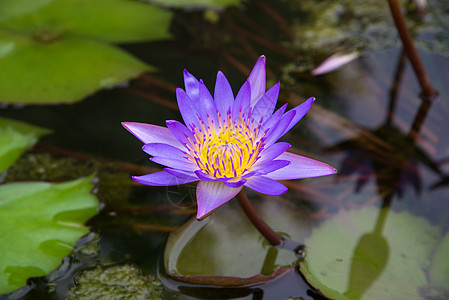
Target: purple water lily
(226, 142)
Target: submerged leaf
(39, 225)
(225, 249)
(15, 138)
(370, 254)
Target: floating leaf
(117, 21)
(196, 3)
(63, 71)
(439, 269)
(39, 225)
(225, 249)
(59, 52)
(15, 138)
(12, 8)
(370, 254)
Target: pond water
(385, 213)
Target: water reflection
(369, 259)
(393, 155)
(394, 163)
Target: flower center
(226, 152)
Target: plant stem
(427, 90)
(272, 237)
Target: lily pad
(196, 3)
(226, 250)
(117, 21)
(439, 269)
(370, 254)
(63, 71)
(13, 8)
(60, 51)
(15, 138)
(39, 225)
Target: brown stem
(406, 38)
(272, 237)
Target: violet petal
(257, 80)
(224, 97)
(187, 108)
(266, 185)
(300, 110)
(204, 176)
(242, 100)
(207, 106)
(149, 133)
(300, 167)
(265, 106)
(183, 164)
(334, 62)
(271, 152)
(191, 84)
(278, 129)
(236, 183)
(162, 178)
(211, 195)
(273, 120)
(180, 132)
(163, 150)
(270, 166)
(181, 173)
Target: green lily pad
(62, 71)
(39, 225)
(15, 138)
(370, 254)
(59, 51)
(117, 21)
(12, 8)
(226, 250)
(196, 3)
(439, 269)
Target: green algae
(116, 282)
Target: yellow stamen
(227, 149)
